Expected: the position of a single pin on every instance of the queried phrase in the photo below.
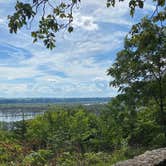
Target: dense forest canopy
(80, 137)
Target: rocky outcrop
(150, 158)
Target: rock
(155, 157)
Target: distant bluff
(149, 158)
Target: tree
(52, 20)
(54, 16)
(140, 68)
(20, 129)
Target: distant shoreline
(55, 100)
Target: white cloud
(114, 15)
(11, 73)
(85, 22)
(13, 90)
(76, 67)
(1, 20)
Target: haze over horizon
(77, 66)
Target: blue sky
(77, 66)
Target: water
(10, 117)
(12, 110)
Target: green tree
(53, 16)
(147, 133)
(37, 133)
(20, 129)
(83, 129)
(140, 68)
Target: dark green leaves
(58, 17)
(24, 12)
(135, 3)
(140, 68)
(47, 29)
(161, 16)
(140, 4)
(70, 29)
(110, 3)
(132, 4)
(161, 2)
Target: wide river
(10, 117)
(12, 110)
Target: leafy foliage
(75, 136)
(131, 123)
(140, 68)
(54, 16)
(38, 158)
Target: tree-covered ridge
(75, 136)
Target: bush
(10, 152)
(38, 158)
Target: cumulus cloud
(1, 20)
(85, 22)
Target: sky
(78, 66)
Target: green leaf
(70, 29)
